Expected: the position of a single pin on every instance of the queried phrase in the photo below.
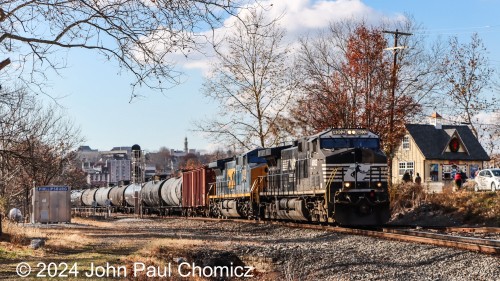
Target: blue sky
(96, 96)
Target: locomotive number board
(349, 131)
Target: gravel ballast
(302, 254)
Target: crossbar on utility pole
(393, 90)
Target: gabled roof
(432, 142)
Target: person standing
(406, 177)
(418, 179)
(458, 179)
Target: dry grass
(475, 207)
(479, 208)
(78, 220)
(406, 196)
(87, 241)
(20, 234)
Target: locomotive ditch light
(347, 184)
(379, 184)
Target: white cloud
(304, 15)
(298, 17)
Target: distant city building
(150, 171)
(87, 155)
(97, 175)
(119, 170)
(104, 168)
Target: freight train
(337, 176)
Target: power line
(461, 30)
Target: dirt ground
(128, 248)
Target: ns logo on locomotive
(336, 176)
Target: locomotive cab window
(371, 143)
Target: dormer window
(454, 145)
(406, 142)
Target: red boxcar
(196, 189)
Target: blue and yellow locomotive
(237, 185)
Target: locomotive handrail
(330, 179)
(210, 186)
(255, 183)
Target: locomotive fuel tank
(116, 195)
(88, 197)
(151, 193)
(291, 209)
(229, 208)
(171, 191)
(131, 194)
(102, 195)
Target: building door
(44, 207)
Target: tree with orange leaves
(346, 81)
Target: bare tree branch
(252, 82)
(138, 34)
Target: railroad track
(486, 246)
(399, 232)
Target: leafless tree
(35, 144)
(468, 73)
(138, 34)
(252, 83)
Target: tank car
(171, 192)
(151, 194)
(162, 196)
(131, 194)
(116, 196)
(102, 196)
(76, 198)
(338, 175)
(88, 197)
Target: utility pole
(393, 95)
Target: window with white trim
(406, 167)
(406, 142)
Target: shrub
(406, 196)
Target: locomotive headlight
(379, 184)
(347, 184)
